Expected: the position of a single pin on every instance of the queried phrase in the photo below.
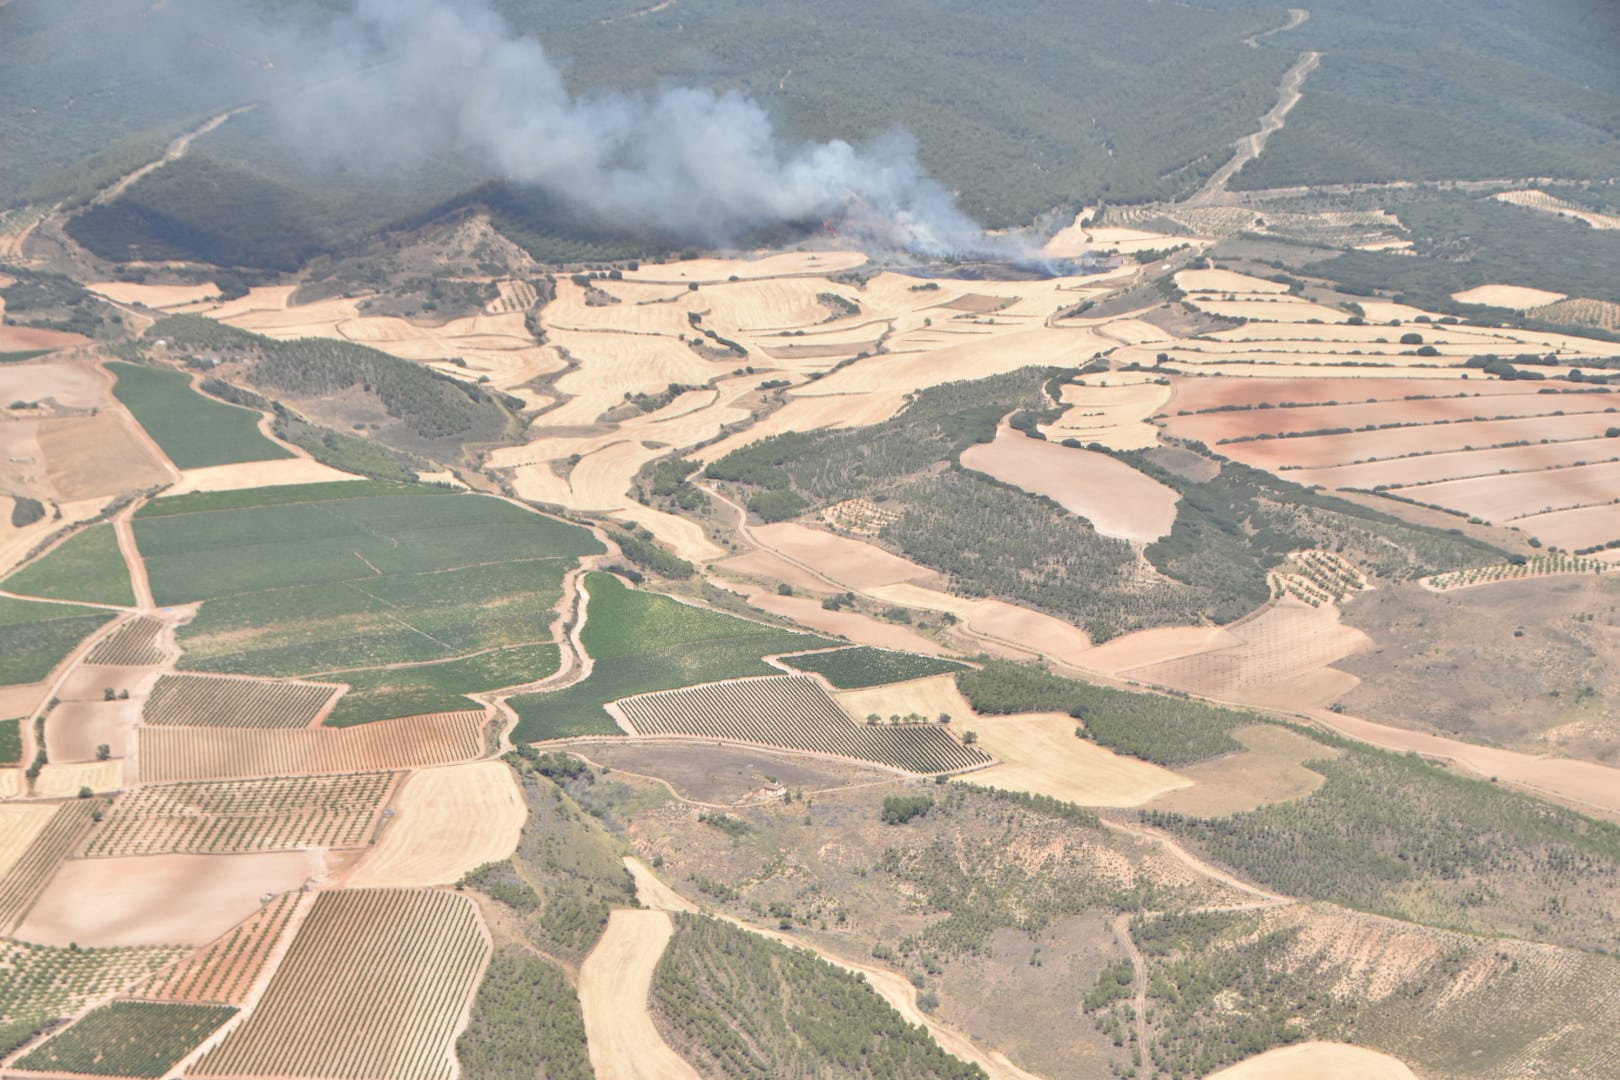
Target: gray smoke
(412, 79)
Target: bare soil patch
(1321, 451)
(160, 899)
(443, 823)
(1457, 465)
(1573, 530)
(1532, 665)
(68, 384)
(91, 456)
(851, 625)
(1118, 500)
(1518, 495)
(725, 775)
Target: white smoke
(419, 78)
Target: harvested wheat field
(86, 457)
(27, 338)
(257, 474)
(811, 414)
(1552, 204)
(62, 780)
(1519, 495)
(1041, 754)
(225, 970)
(1116, 499)
(176, 753)
(853, 564)
(1035, 631)
(1270, 769)
(615, 982)
(443, 823)
(20, 826)
(1282, 658)
(776, 264)
(931, 697)
(161, 899)
(375, 984)
(1458, 465)
(279, 814)
(62, 382)
(1516, 297)
(1319, 1061)
(1159, 645)
(1574, 530)
(40, 856)
(767, 566)
(157, 297)
(1216, 428)
(1109, 411)
(1322, 451)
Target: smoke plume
(411, 79)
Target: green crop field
(312, 582)
(642, 641)
(34, 637)
(864, 665)
(87, 566)
(381, 694)
(201, 502)
(10, 742)
(22, 355)
(128, 1038)
(194, 431)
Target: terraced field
(225, 971)
(174, 754)
(374, 985)
(793, 712)
(280, 814)
(1540, 460)
(213, 701)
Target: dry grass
(1320, 1061)
(1271, 769)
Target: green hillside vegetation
(1223, 985)
(87, 566)
(334, 584)
(128, 1038)
(526, 1017)
(740, 1005)
(1155, 727)
(567, 858)
(640, 642)
(381, 694)
(428, 406)
(194, 431)
(864, 665)
(346, 452)
(1230, 530)
(35, 637)
(1394, 835)
(1513, 91)
(1462, 241)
